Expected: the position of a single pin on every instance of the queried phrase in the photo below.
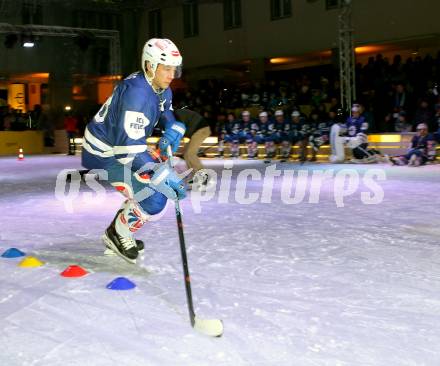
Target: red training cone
(74, 271)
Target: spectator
(71, 127)
(423, 113)
(400, 99)
(44, 124)
(401, 124)
(437, 122)
(304, 97)
(8, 120)
(385, 89)
(19, 121)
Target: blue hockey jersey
(356, 125)
(119, 131)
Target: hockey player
(338, 139)
(236, 133)
(320, 134)
(268, 135)
(253, 135)
(357, 141)
(352, 134)
(222, 125)
(115, 140)
(285, 138)
(271, 132)
(357, 129)
(314, 134)
(197, 130)
(421, 151)
(297, 133)
(306, 129)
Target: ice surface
(295, 284)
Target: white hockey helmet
(422, 126)
(161, 51)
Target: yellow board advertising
(16, 96)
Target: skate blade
(109, 244)
(108, 252)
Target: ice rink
(315, 280)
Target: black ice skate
(125, 247)
(139, 245)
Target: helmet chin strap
(150, 81)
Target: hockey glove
(172, 136)
(165, 180)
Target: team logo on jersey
(162, 105)
(352, 131)
(135, 123)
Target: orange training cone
(20, 154)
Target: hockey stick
(211, 327)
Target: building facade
(229, 37)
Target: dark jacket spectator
(423, 114)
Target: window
(155, 23)
(190, 19)
(280, 9)
(232, 14)
(332, 4)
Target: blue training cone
(13, 253)
(121, 283)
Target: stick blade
(210, 327)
